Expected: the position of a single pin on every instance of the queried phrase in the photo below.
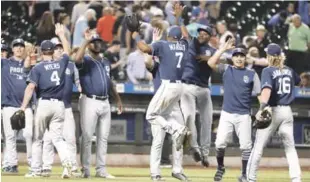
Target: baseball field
(131, 174)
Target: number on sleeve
(284, 85)
(180, 56)
(55, 77)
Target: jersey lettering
(55, 77)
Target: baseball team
(181, 66)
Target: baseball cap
(116, 42)
(273, 49)
(95, 37)
(18, 42)
(4, 47)
(206, 29)
(238, 51)
(47, 45)
(175, 32)
(56, 42)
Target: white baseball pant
(162, 103)
(49, 114)
(95, 116)
(157, 144)
(196, 96)
(10, 154)
(68, 135)
(282, 119)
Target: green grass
(131, 174)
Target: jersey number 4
(284, 85)
(55, 78)
(180, 57)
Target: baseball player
(172, 56)
(94, 71)
(48, 79)
(12, 92)
(278, 83)
(72, 75)
(159, 133)
(240, 83)
(197, 94)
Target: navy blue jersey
(198, 72)
(71, 76)
(172, 56)
(49, 78)
(13, 82)
(282, 84)
(94, 76)
(156, 76)
(239, 85)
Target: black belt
(97, 97)
(194, 83)
(49, 98)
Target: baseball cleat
(104, 175)
(85, 173)
(66, 173)
(46, 172)
(10, 169)
(5, 169)
(242, 178)
(196, 155)
(205, 161)
(32, 175)
(219, 174)
(76, 173)
(180, 176)
(157, 178)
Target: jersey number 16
(284, 85)
(55, 77)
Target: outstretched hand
(177, 9)
(59, 29)
(230, 44)
(157, 34)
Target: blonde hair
(277, 61)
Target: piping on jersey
(95, 61)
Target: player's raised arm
(214, 60)
(78, 57)
(178, 11)
(60, 32)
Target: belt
(171, 81)
(49, 98)
(194, 83)
(96, 97)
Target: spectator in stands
(136, 69)
(112, 54)
(169, 12)
(4, 51)
(154, 10)
(304, 11)
(203, 12)
(120, 14)
(298, 45)
(223, 32)
(46, 27)
(262, 40)
(233, 28)
(105, 25)
(81, 26)
(214, 9)
(283, 16)
(78, 10)
(255, 61)
(64, 19)
(98, 6)
(305, 80)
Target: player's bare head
(18, 47)
(174, 33)
(238, 57)
(96, 44)
(275, 56)
(296, 19)
(58, 48)
(204, 34)
(47, 48)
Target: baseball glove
(133, 23)
(263, 118)
(18, 120)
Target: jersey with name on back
(49, 77)
(282, 84)
(94, 76)
(71, 72)
(172, 57)
(13, 82)
(239, 86)
(195, 71)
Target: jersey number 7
(180, 56)
(55, 77)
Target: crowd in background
(127, 63)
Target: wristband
(262, 106)
(138, 38)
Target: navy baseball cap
(273, 49)
(95, 37)
(4, 47)
(47, 45)
(175, 32)
(18, 42)
(238, 51)
(206, 29)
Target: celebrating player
(278, 83)
(12, 92)
(72, 75)
(95, 110)
(48, 79)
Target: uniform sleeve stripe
(31, 81)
